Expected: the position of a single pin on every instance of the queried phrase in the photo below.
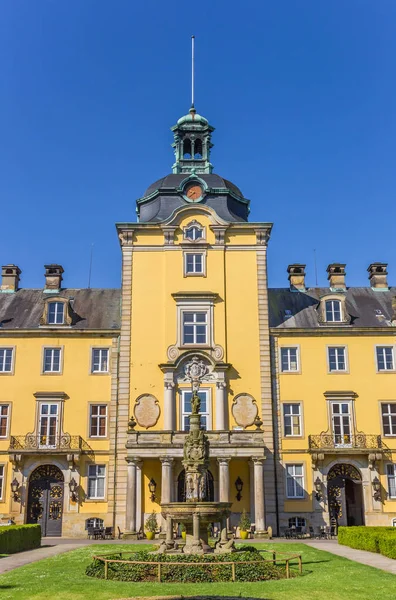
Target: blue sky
(301, 92)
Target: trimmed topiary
(373, 539)
(17, 538)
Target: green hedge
(374, 539)
(16, 538)
(188, 573)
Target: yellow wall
(308, 387)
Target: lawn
(325, 575)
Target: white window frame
(207, 414)
(2, 480)
(332, 300)
(44, 371)
(296, 521)
(96, 477)
(99, 418)
(298, 362)
(300, 419)
(3, 359)
(95, 520)
(58, 416)
(57, 303)
(382, 346)
(391, 476)
(294, 478)
(194, 323)
(388, 415)
(7, 419)
(337, 347)
(100, 349)
(350, 413)
(194, 273)
(199, 227)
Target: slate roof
(367, 308)
(91, 308)
(173, 180)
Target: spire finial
(192, 72)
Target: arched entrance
(345, 495)
(45, 499)
(181, 487)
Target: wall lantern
(377, 488)
(15, 489)
(318, 489)
(239, 486)
(152, 486)
(73, 489)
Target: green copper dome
(193, 117)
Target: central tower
(192, 144)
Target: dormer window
(333, 311)
(56, 313)
(194, 232)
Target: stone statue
(224, 545)
(195, 403)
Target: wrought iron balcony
(337, 442)
(32, 442)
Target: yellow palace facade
(297, 395)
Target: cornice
(332, 331)
(44, 332)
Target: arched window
(193, 233)
(94, 522)
(187, 148)
(198, 149)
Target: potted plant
(244, 525)
(183, 530)
(151, 525)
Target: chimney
(10, 278)
(377, 276)
(336, 276)
(53, 278)
(296, 277)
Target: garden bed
(248, 564)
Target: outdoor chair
(109, 533)
(90, 532)
(119, 533)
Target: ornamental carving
(244, 410)
(195, 371)
(147, 411)
(344, 470)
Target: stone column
(130, 521)
(251, 491)
(221, 406)
(224, 479)
(169, 530)
(166, 479)
(169, 406)
(196, 527)
(259, 494)
(139, 465)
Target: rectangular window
(292, 419)
(389, 418)
(100, 360)
(52, 360)
(98, 420)
(96, 481)
(195, 328)
(333, 311)
(49, 425)
(6, 360)
(385, 361)
(56, 313)
(294, 481)
(289, 359)
(337, 358)
(391, 473)
(186, 409)
(342, 423)
(194, 264)
(4, 416)
(2, 474)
